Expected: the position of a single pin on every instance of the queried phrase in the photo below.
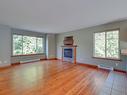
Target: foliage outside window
(25, 45)
(106, 44)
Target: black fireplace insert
(68, 53)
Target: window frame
(107, 58)
(12, 54)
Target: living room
(63, 47)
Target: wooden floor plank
(57, 78)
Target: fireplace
(68, 52)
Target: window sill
(27, 55)
(107, 58)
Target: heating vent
(26, 61)
(105, 67)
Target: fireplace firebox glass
(68, 53)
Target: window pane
(40, 47)
(112, 46)
(17, 44)
(99, 44)
(29, 45)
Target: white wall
(51, 46)
(6, 57)
(84, 39)
(5, 46)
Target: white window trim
(107, 58)
(22, 43)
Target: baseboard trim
(95, 66)
(17, 63)
(122, 71)
(5, 67)
(43, 59)
(88, 65)
(51, 58)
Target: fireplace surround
(69, 53)
(69, 50)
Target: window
(17, 45)
(39, 45)
(25, 45)
(106, 44)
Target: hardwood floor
(56, 78)
(115, 84)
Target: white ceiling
(56, 16)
